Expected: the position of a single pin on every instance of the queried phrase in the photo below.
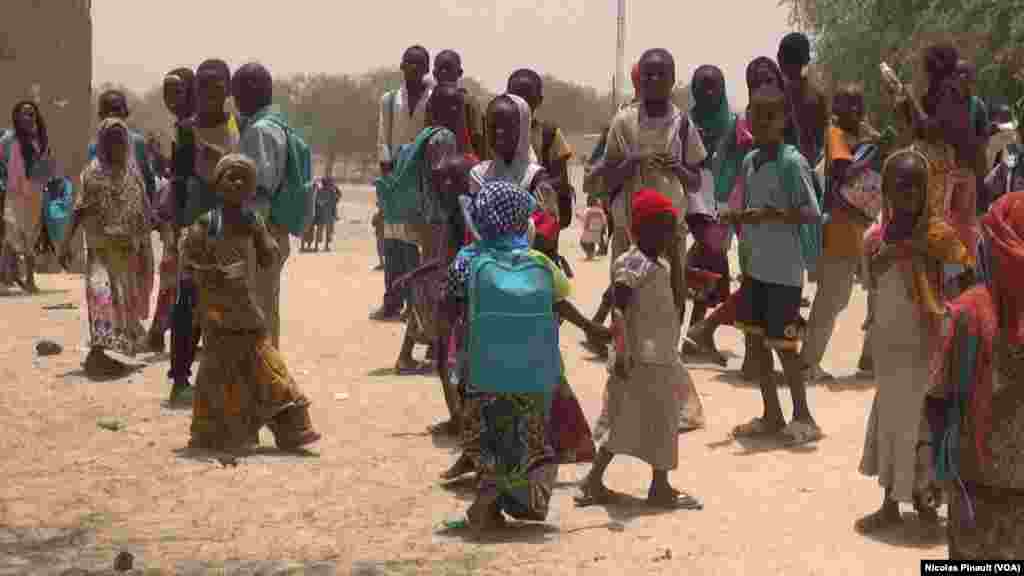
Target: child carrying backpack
(511, 294)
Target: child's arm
(622, 296)
(595, 332)
(267, 250)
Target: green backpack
(398, 191)
(293, 205)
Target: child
(850, 179)
(896, 446)
(243, 383)
(569, 431)
(778, 197)
(517, 469)
(643, 400)
(652, 144)
(594, 225)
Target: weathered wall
(46, 56)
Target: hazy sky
(137, 42)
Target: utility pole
(620, 48)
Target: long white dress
(894, 448)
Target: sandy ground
(74, 493)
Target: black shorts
(771, 311)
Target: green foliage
(853, 36)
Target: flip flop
(586, 499)
(677, 501)
(419, 369)
(799, 433)
(754, 428)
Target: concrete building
(46, 56)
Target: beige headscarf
(235, 161)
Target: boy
(448, 70)
(843, 234)
(546, 140)
(779, 197)
(444, 111)
(402, 117)
(642, 390)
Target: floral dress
(115, 224)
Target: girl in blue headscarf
(505, 435)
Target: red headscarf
(647, 204)
(1005, 225)
(635, 75)
(545, 226)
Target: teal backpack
(513, 335)
(57, 208)
(398, 191)
(792, 164)
(293, 205)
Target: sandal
(799, 433)
(590, 496)
(674, 500)
(756, 427)
(877, 521)
(416, 369)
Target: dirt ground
(74, 493)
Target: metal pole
(620, 48)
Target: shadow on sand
(231, 459)
(512, 533)
(761, 444)
(913, 533)
(852, 383)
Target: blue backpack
(513, 336)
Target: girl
(508, 130)
(716, 123)
(516, 470)
(243, 383)
(28, 167)
(643, 398)
(896, 448)
(595, 223)
(112, 209)
(570, 433)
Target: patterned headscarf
(502, 209)
(123, 198)
(235, 161)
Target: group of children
(504, 287)
(489, 234)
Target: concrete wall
(46, 56)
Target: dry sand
(74, 493)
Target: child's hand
(598, 333)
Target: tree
(853, 36)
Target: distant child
(643, 388)
(594, 225)
(778, 197)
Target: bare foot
(461, 467)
